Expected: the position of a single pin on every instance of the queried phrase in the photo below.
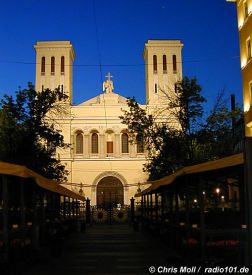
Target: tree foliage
(27, 133)
(189, 140)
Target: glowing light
(204, 193)
(250, 9)
(241, 22)
(195, 200)
(246, 107)
(217, 190)
(243, 63)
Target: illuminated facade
(101, 156)
(244, 15)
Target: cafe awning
(195, 169)
(51, 185)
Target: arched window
(94, 142)
(154, 63)
(79, 143)
(62, 65)
(52, 65)
(249, 53)
(125, 143)
(245, 8)
(174, 63)
(164, 64)
(140, 144)
(43, 65)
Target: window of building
(110, 138)
(43, 65)
(109, 147)
(79, 143)
(154, 64)
(51, 147)
(94, 143)
(62, 65)
(125, 143)
(62, 88)
(164, 64)
(155, 88)
(42, 88)
(174, 63)
(249, 48)
(245, 8)
(140, 144)
(52, 65)
(176, 88)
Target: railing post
(22, 208)
(202, 221)
(132, 210)
(88, 211)
(142, 207)
(35, 221)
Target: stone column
(117, 146)
(86, 146)
(102, 149)
(132, 150)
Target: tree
(222, 131)
(170, 145)
(27, 133)
(186, 106)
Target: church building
(100, 160)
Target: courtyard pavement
(107, 249)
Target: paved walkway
(108, 249)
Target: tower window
(140, 146)
(125, 143)
(248, 48)
(250, 92)
(52, 65)
(79, 143)
(154, 64)
(43, 65)
(174, 63)
(42, 88)
(155, 88)
(62, 88)
(62, 65)
(164, 64)
(176, 88)
(94, 141)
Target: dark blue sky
(208, 29)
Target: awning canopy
(195, 169)
(51, 185)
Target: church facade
(100, 160)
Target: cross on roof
(109, 76)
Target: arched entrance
(109, 192)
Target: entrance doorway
(109, 192)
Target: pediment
(105, 98)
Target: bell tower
(163, 68)
(54, 66)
